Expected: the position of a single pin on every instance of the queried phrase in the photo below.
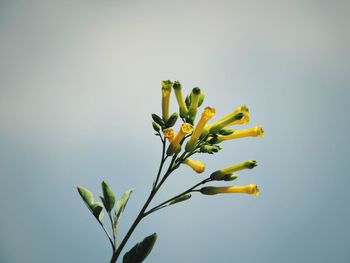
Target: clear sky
(79, 80)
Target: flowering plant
(177, 148)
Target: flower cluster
(202, 136)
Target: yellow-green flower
(220, 174)
(185, 128)
(251, 189)
(179, 97)
(256, 131)
(166, 90)
(207, 114)
(195, 95)
(197, 166)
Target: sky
(80, 79)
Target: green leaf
(96, 209)
(121, 203)
(86, 195)
(141, 250)
(108, 196)
(158, 119)
(180, 199)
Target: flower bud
(155, 126)
(216, 127)
(158, 119)
(219, 175)
(246, 189)
(192, 111)
(256, 131)
(178, 93)
(166, 90)
(180, 199)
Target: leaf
(121, 203)
(86, 195)
(108, 196)
(141, 250)
(180, 199)
(96, 209)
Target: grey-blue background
(79, 80)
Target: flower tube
(256, 131)
(197, 166)
(195, 95)
(207, 114)
(179, 97)
(220, 174)
(166, 90)
(251, 189)
(175, 146)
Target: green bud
(167, 84)
(226, 131)
(108, 196)
(220, 174)
(192, 111)
(155, 126)
(210, 149)
(172, 120)
(188, 100)
(180, 199)
(158, 119)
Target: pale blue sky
(79, 80)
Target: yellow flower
(220, 174)
(169, 134)
(207, 114)
(252, 132)
(251, 189)
(166, 90)
(197, 166)
(178, 93)
(185, 128)
(230, 119)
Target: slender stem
(106, 232)
(160, 206)
(113, 228)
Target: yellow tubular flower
(219, 174)
(251, 189)
(178, 93)
(186, 128)
(243, 108)
(207, 114)
(252, 132)
(195, 95)
(169, 134)
(197, 166)
(166, 90)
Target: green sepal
(108, 196)
(141, 250)
(201, 99)
(180, 199)
(172, 120)
(86, 195)
(158, 120)
(210, 149)
(226, 131)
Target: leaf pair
(141, 250)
